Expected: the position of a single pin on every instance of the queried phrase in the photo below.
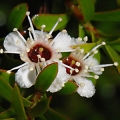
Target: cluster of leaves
(33, 103)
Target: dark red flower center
(74, 64)
(39, 50)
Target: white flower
(83, 67)
(37, 51)
(86, 87)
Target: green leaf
(40, 107)
(9, 78)
(116, 47)
(69, 88)
(81, 31)
(87, 46)
(114, 42)
(7, 114)
(49, 21)
(46, 77)
(87, 8)
(113, 55)
(1, 109)
(53, 115)
(6, 91)
(18, 103)
(107, 16)
(17, 16)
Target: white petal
(13, 42)
(61, 78)
(91, 61)
(41, 36)
(63, 41)
(25, 77)
(86, 87)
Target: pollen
(8, 71)
(31, 69)
(76, 70)
(41, 49)
(79, 39)
(48, 36)
(85, 38)
(1, 51)
(77, 64)
(103, 43)
(82, 84)
(15, 29)
(64, 31)
(27, 49)
(116, 64)
(96, 76)
(73, 62)
(102, 69)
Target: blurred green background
(105, 104)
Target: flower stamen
(95, 48)
(15, 68)
(43, 26)
(59, 20)
(106, 65)
(23, 39)
(31, 25)
(1, 51)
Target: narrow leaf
(87, 8)
(17, 16)
(40, 108)
(53, 115)
(17, 103)
(107, 16)
(49, 21)
(113, 55)
(6, 91)
(7, 114)
(87, 46)
(10, 78)
(46, 77)
(116, 47)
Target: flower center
(41, 51)
(70, 61)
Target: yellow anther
(41, 49)
(76, 70)
(82, 84)
(77, 64)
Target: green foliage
(107, 16)
(18, 103)
(46, 77)
(40, 108)
(38, 21)
(87, 8)
(97, 19)
(19, 13)
(69, 88)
